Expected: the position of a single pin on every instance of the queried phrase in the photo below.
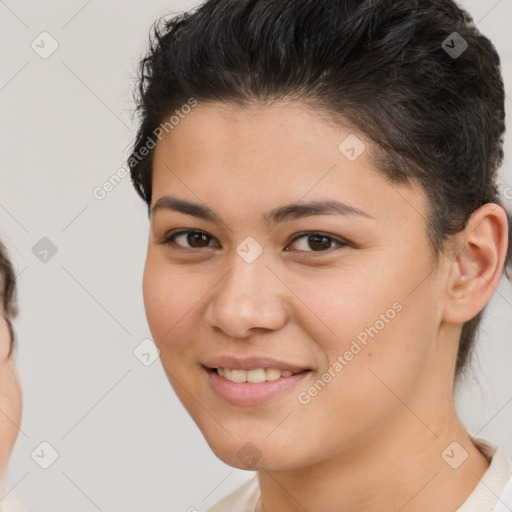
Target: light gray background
(124, 441)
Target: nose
(249, 297)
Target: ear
(477, 263)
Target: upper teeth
(256, 375)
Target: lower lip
(252, 393)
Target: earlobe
(477, 263)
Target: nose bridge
(249, 296)
(248, 277)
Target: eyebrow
(275, 216)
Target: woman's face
(343, 297)
(10, 397)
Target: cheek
(341, 304)
(167, 302)
(171, 297)
(162, 299)
(368, 319)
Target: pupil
(196, 237)
(319, 242)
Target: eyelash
(169, 240)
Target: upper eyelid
(166, 238)
(327, 235)
(339, 242)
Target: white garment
(492, 494)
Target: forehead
(266, 155)
(228, 131)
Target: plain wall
(124, 441)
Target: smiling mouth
(255, 375)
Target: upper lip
(251, 363)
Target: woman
(326, 231)
(10, 391)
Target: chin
(258, 454)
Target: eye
(194, 238)
(318, 242)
